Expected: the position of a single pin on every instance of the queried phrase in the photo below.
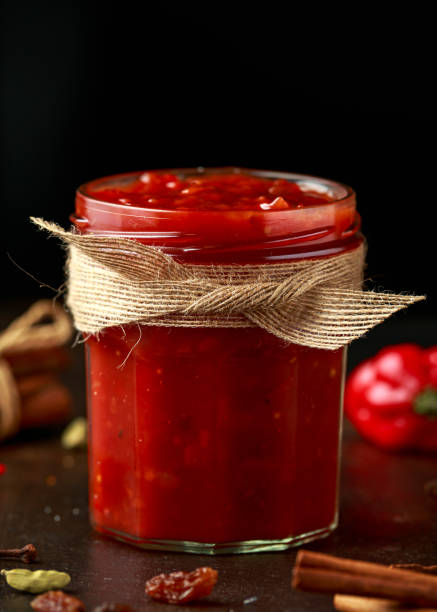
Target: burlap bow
(44, 325)
(319, 303)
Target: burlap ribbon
(44, 325)
(115, 281)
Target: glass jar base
(206, 548)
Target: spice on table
(31, 354)
(355, 603)
(37, 581)
(27, 554)
(2, 468)
(182, 587)
(392, 398)
(75, 434)
(57, 601)
(31, 362)
(48, 405)
(328, 574)
(415, 567)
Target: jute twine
(115, 281)
(44, 325)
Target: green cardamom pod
(36, 581)
(75, 434)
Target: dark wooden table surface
(387, 515)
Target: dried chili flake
(57, 601)
(182, 587)
(2, 468)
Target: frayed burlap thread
(115, 281)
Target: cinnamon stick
(328, 574)
(33, 383)
(355, 603)
(32, 352)
(416, 567)
(53, 359)
(51, 405)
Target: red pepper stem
(425, 403)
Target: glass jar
(216, 440)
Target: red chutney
(233, 191)
(204, 439)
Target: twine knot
(319, 303)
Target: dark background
(92, 89)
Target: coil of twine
(44, 325)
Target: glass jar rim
(339, 192)
(214, 234)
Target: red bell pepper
(392, 398)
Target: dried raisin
(57, 601)
(182, 587)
